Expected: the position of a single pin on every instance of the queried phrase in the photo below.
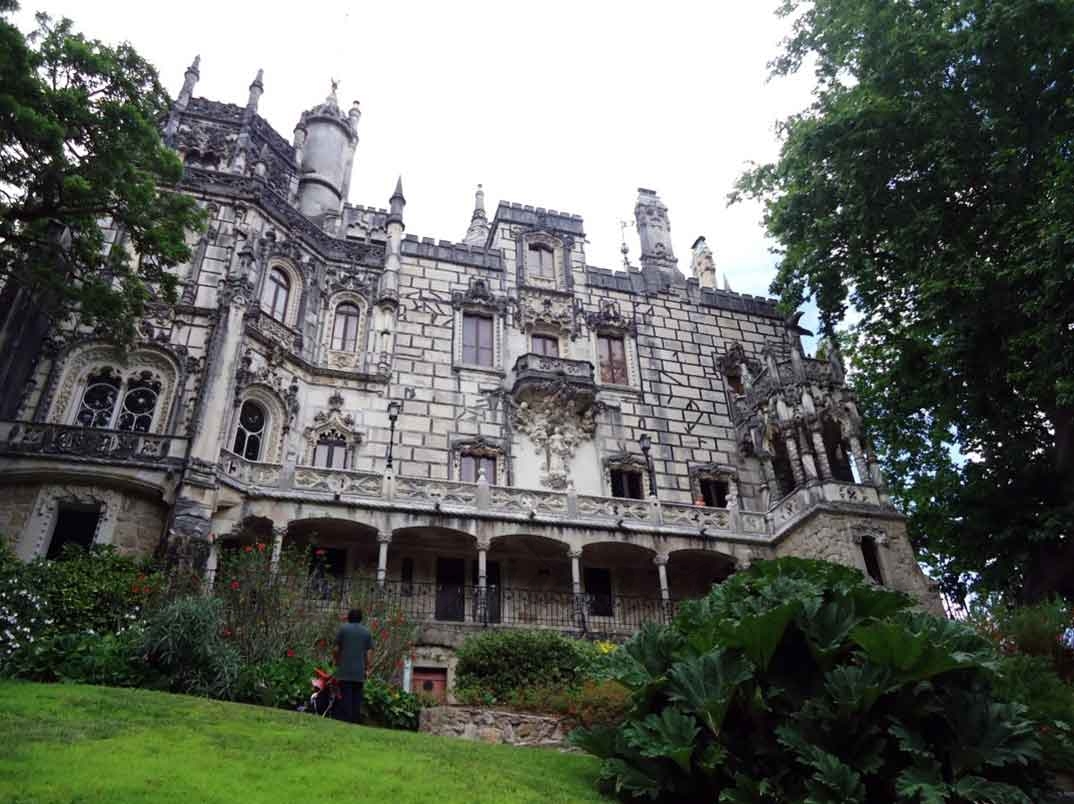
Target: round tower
(325, 140)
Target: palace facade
(498, 430)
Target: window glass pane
(345, 328)
(139, 403)
(489, 465)
(626, 484)
(612, 358)
(467, 469)
(98, 400)
(249, 432)
(546, 345)
(276, 293)
(714, 492)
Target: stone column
(795, 458)
(823, 466)
(575, 555)
(277, 547)
(857, 458)
(482, 581)
(212, 563)
(383, 540)
(771, 485)
(661, 561)
(808, 462)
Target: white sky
(565, 105)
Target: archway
(692, 573)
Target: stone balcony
(76, 443)
(536, 374)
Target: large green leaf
(759, 635)
(921, 784)
(911, 656)
(705, 685)
(853, 689)
(598, 741)
(831, 781)
(670, 734)
(654, 648)
(636, 780)
(983, 791)
(987, 732)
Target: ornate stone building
(497, 429)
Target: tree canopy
(80, 144)
(930, 186)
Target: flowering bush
(97, 590)
(184, 644)
(268, 611)
(388, 706)
(22, 615)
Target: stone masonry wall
(494, 726)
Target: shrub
(185, 645)
(388, 706)
(590, 703)
(268, 612)
(113, 660)
(494, 664)
(798, 681)
(282, 683)
(96, 590)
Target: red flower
(375, 623)
(247, 549)
(318, 552)
(290, 654)
(321, 643)
(234, 586)
(135, 588)
(260, 547)
(225, 633)
(147, 589)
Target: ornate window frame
(90, 359)
(478, 299)
(480, 447)
(626, 462)
(713, 471)
(275, 420)
(294, 298)
(338, 358)
(332, 421)
(540, 240)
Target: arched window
(98, 402)
(276, 294)
(139, 402)
(838, 451)
(345, 328)
(250, 432)
(331, 451)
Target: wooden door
(450, 589)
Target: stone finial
(726, 284)
(355, 114)
(190, 78)
(478, 233)
(257, 87)
(703, 264)
(397, 202)
(654, 231)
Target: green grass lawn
(73, 743)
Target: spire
(703, 264)
(726, 284)
(190, 78)
(256, 89)
(654, 231)
(478, 233)
(397, 202)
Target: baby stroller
(326, 693)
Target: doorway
(450, 589)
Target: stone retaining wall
(495, 726)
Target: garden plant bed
(96, 744)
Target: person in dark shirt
(353, 644)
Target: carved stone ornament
(333, 423)
(478, 295)
(610, 318)
(545, 310)
(556, 428)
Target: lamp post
(394, 409)
(646, 444)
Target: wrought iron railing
(36, 438)
(430, 602)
